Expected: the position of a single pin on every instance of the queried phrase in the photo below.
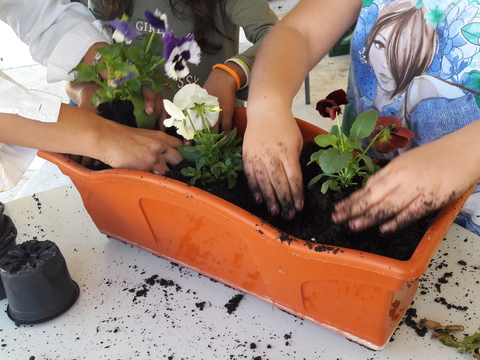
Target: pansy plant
(131, 67)
(216, 156)
(342, 158)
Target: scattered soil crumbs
(441, 300)
(143, 289)
(410, 315)
(200, 305)
(233, 303)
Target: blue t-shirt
(418, 60)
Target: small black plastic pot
(8, 235)
(37, 282)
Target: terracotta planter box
(359, 295)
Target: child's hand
(140, 149)
(154, 102)
(421, 180)
(222, 85)
(271, 152)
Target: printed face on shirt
(378, 59)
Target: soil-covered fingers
(269, 183)
(259, 183)
(373, 204)
(357, 204)
(421, 206)
(282, 190)
(385, 211)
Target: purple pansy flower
(124, 32)
(120, 80)
(178, 52)
(157, 20)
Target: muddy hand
(273, 170)
(421, 180)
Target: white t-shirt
(58, 33)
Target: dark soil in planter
(314, 223)
(116, 111)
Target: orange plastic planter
(359, 295)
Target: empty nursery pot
(8, 235)
(37, 282)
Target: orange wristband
(231, 72)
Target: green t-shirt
(254, 16)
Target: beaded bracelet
(231, 72)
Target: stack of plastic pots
(8, 235)
(37, 282)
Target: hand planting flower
(390, 135)
(131, 68)
(216, 156)
(342, 158)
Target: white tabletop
(119, 315)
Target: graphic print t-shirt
(418, 61)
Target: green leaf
(449, 340)
(144, 121)
(334, 130)
(156, 44)
(325, 140)
(332, 161)
(363, 125)
(189, 152)
(315, 157)
(136, 55)
(334, 185)
(99, 97)
(231, 182)
(368, 163)
(351, 170)
(355, 144)
(326, 186)
(314, 180)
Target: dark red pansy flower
(393, 134)
(330, 106)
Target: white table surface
(112, 320)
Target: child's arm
(84, 133)
(272, 141)
(224, 86)
(256, 18)
(419, 181)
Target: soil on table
(314, 223)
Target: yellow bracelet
(231, 72)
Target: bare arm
(272, 141)
(84, 133)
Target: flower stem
(155, 65)
(150, 40)
(380, 133)
(342, 142)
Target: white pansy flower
(178, 119)
(189, 103)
